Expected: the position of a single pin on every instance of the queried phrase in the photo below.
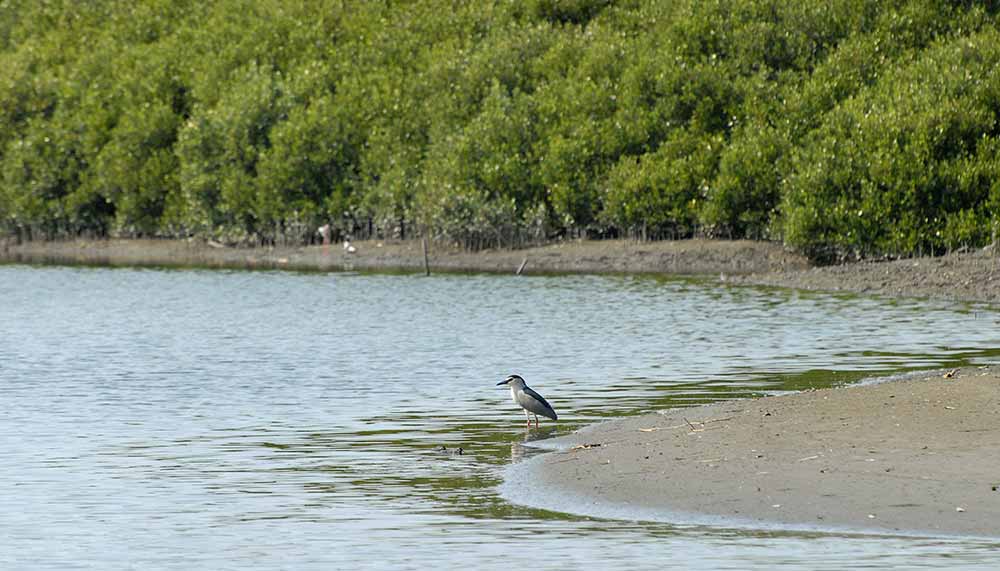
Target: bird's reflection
(540, 433)
(522, 449)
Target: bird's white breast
(513, 394)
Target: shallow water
(244, 420)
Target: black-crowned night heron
(528, 399)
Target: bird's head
(513, 379)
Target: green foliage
(747, 190)
(566, 11)
(309, 167)
(905, 165)
(845, 128)
(660, 191)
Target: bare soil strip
(973, 276)
(970, 276)
(701, 257)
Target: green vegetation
(845, 128)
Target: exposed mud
(972, 276)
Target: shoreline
(965, 276)
(682, 257)
(737, 481)
(970, 276)
(912, 456)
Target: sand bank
(920, 455)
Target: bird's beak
(503, 382)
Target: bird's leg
(527, 419)
(536, 421)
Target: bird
(528, 399)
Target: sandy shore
(917, 455)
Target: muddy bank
(917, 455)
(969, 276)
(973, 276)
(701, 257)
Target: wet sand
(920, 455)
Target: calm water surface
(260, 420)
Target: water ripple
(235, 420)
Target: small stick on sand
(703, 422)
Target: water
(262, 420)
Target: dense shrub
(845, 128)
(908, 164)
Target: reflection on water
(179, 419)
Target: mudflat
(968, 276)
(915, 455)
(701, 257)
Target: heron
(528, 399)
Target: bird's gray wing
(536, 403)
